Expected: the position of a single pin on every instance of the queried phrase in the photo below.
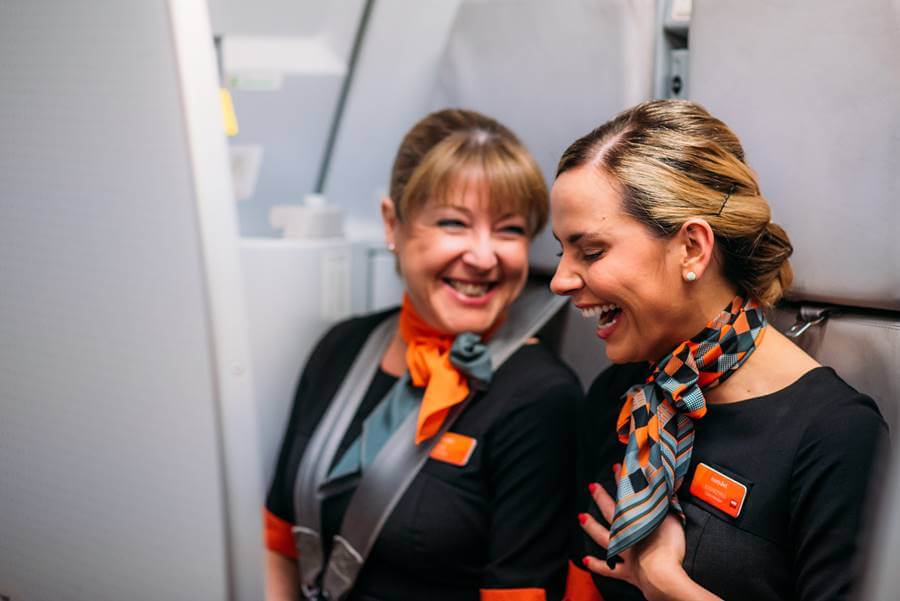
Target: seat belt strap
(322, 448)
(392, 471)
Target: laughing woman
(741, 464)
(465, 201)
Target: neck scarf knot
(443, 365)
(656, 422)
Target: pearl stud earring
(391, 246)
(690, 276)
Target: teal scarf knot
(469, 355)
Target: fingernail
(592, 487)
(616, 468)
(584, 561)
(582, 517)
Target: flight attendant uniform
(775, 496)
(488, 516)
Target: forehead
(585, 200)
(473, 193)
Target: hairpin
(725, 200)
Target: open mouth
(470, 289)
(605, 314)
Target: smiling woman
(466, 199)
(736, 465)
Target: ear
(389, 217)
(697, 242)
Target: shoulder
(533, 391)
(604, 398)
(615, 380)
(837, 411)
(534, 374)
(826, 397)
(346, 337)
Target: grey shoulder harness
(386, 479)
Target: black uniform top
(805, 453)
(502, 521)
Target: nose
(481, 254)
(566, 281)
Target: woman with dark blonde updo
(737, 466)
(466, 199)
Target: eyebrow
(468, 211)
(460, 208)
(579, 236)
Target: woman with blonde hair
(737, 466)
(475, 521)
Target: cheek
(515, 260)
(432, 253)
(601, 279)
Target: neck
(710, 304)
(704, 304)
(394, 359)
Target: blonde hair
(453, 147)
(674, 161)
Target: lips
(470, 288)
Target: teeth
(604, 326)
(469, 289)
(598, 310)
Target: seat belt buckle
(344, 565)
(313, 593)
(310, 557)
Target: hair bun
(774, 273)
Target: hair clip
(727, 196)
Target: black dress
(806, 455)
(502, 521)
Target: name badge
(715, 488)
(455, 449)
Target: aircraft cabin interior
(191, 197)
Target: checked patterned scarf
(656, 421)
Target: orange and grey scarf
(656, 421)
(442, 364)
(441, 370)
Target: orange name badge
(453, 448)
(713, 487)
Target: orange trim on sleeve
(513, 594)
(278, 535)
(580, 586)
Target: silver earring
(391, 246)
(690, 276)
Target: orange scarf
(428, 360)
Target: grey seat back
(812, 87)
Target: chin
(619, 355)
(469, 325)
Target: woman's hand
(654, 565)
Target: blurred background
(189, 198)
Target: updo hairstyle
(674, 161)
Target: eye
(592, 256)
(516, 230)
(451, 223)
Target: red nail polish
(582, 517)
(592, 487)
(584, 561)
(616, 468)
